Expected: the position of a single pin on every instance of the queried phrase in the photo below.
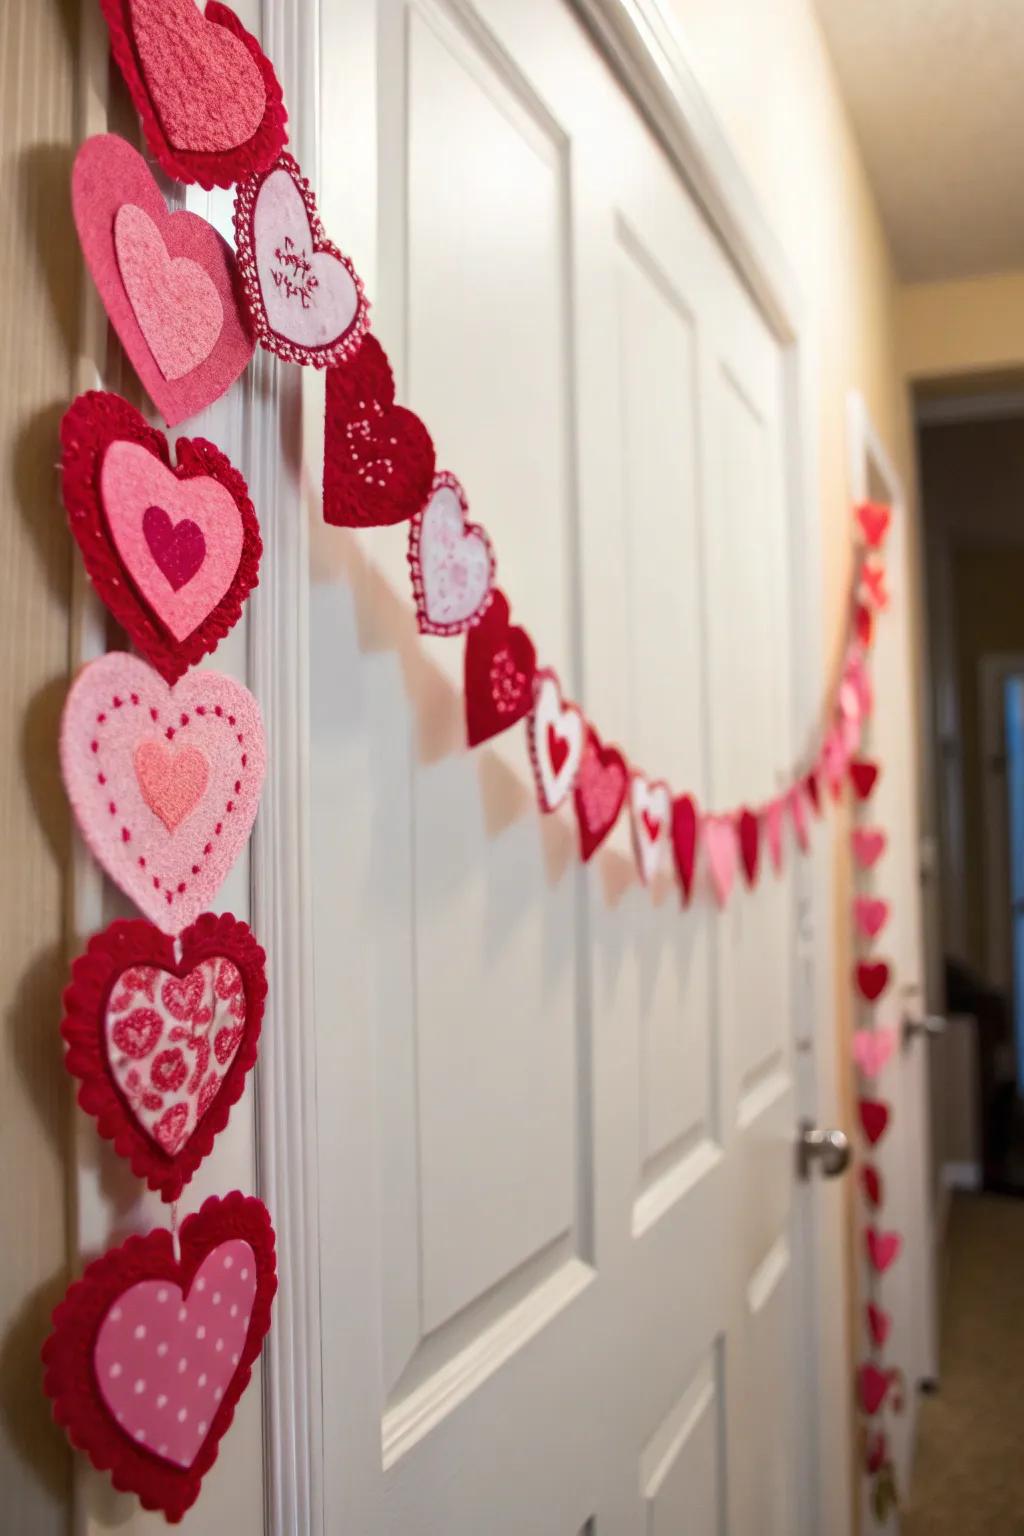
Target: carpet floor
(969, 1472)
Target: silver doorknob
(828, 1151)
(927, 1028)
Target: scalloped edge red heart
(67, 1355)
(221, 168)
(90, 425)
(95, 973)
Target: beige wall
(38, 300)
(971, 327)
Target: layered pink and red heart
(150, 1353)
(556, 734)
(451, 561)
(210, 103)
(162, 1045)
(173, 550)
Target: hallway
(969, 1476)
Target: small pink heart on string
(870, 915)
(883, 1248)
(868, 844)
(720, 842)
(872, 1049)
(773, 833)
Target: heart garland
(162, 1042)
(305, 299)
(209, 100)
(168, 281)
(164, 782)
(150, 1352)
(173, 550)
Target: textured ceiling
(935, 89)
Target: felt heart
(813, 791)
(863, 776)
(169, 853)
(870, 915)
(748, 828)
(871, 1183)
(876, 1452)
(601, 786)
(149, 1353)
(883, 1248)
(864, 624)
(873, 518)
(798, 811)
(873, 1049)
(207, 94)
(451, 560)
(833, 761)
(872, 978)
(167, 280)
(162, 1045)
(873, 1385)
(499, 670)
(873, 586)
(773, 832)
(685, 822)
(178, 549)
(874, 1118)
(868, 844)
(556, 735)
(879, 1324)
(650, 810)
(378, 457)
(164, 290)
(305, 300)
(173, 552)
(172, 781)
(720, 846)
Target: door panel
(563, 1230)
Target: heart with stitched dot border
(150, 1353)
(162, 1044)
(164, 781)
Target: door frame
(280, 417)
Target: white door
(907, 1289)
(556, 1114)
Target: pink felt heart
(883, 1248)
(870, 915)
(167, 281)
(305, 301)
(868, 845)
(451, 560)
(175, 299)
(872, 1049)
(169, 855)
(163, 1358)
(650, 810)
(218, 101)
(719, 835)
(773, 832)
(172, 782)
(557, 734)
(170, 1043)
(160, 524)
(873, 1385)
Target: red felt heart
(209, 100)
(749, 829)
(813, 791)
(873, 518)
(558, 749)
(168, 281)
(378, 457)
(119, 567)
(879, 1324)
(128, 994)
(499, 672)
(92, 1361)
(870, 915)
(883, 1248)
(872, 977)
(873, 1385)
(873, 586)
(874, 1117)
(685, 822)
(601, 786)
(876, 1453)
(871, 1183)
(864, 777)
(864, 624)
